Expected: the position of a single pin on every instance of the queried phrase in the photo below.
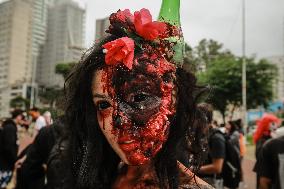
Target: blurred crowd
(17, 134)
(223, 167)
(30, 144)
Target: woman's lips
(128, 146)
(126, 142)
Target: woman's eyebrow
(96, 95)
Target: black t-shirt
(9, 146)
(271, 162)
(32, 173)
(217, 148)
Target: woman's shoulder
(189, 181)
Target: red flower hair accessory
(125, 15)
(141, 33)
(146, 28)
(120, 51)
(141, 24)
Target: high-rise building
(15, 43)
(279, 83)
(15, 48)
(101, 26)
(22, 34)
(39, 23)
(65, 40)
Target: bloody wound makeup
(143, 107)
(139, 77)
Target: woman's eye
(140, 97)
(103, 105)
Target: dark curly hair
(94, 162)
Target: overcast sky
(212, 19)
(216, 19)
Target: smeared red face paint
(135, 107)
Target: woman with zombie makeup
(129, 106)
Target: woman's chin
(137, 159)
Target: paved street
(248, 163)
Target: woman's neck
(132, 176)
(134, 172)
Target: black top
(217, 148)
(9, 146)
(32, 173)
(271, 162)
(38, 153)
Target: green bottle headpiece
(170, 13)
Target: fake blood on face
(103, 115)
(143, 98)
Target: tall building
(39, 23)
(279, 85)
(22, 34)
(15, 43)
(65, 40)
(15, 49)
(101, 26)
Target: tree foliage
(198, 58)
(64, 68)
(224, 75)
(19, 102)
(53, 96)
(222, 71)
(50, 95)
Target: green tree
(190, 62)
(50, 95)
(224, 75)
(64, 68)
(19, 102)
(260, 77)
(203, 54)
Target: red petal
(119, 56)
(128, 61)
(145, 27)
(124, 15)
(110, 56)
(150, 34)
(144, 16)
(128, 14)
(160, 26)
(120, 50)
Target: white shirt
(40, 123)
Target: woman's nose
(117, 121)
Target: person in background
(41, 168)
(215, 123)
(39, 120)
(210, 171)
(48, 118)
(280, 112)
(266, 126)
(25, 122)
(242, 143)
(271, 164)
(232, 131)
(9, 147)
